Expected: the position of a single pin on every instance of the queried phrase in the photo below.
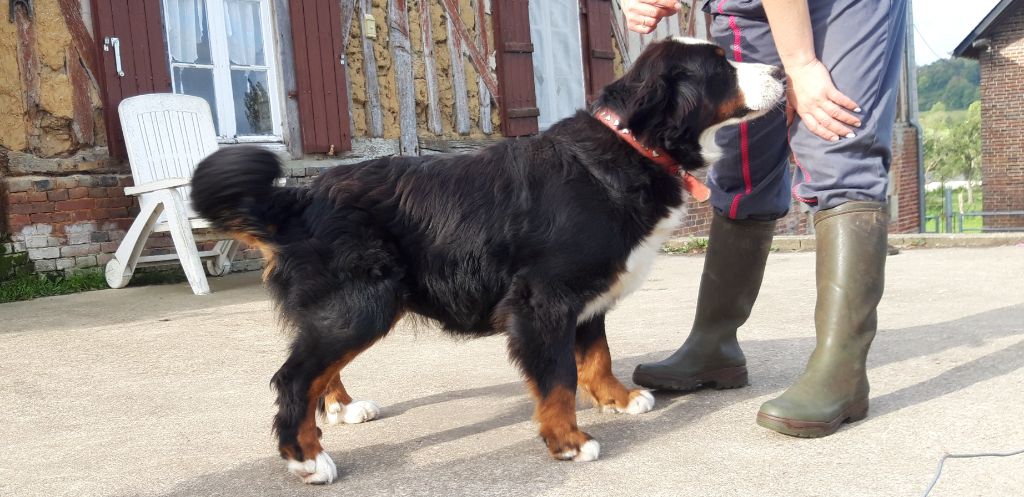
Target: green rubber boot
(850, 272)
(733, 268)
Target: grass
(33, 286)
(695, 245)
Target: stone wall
(1002, 136)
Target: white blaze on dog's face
(761, 86)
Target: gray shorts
(861, 43)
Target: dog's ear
(657, 112)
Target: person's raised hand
(822, 107)
(643, 15)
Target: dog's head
(681, 88)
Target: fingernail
(834, 139)
(857, 124)
(858, 109)
(851, 135)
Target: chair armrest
(163, 184)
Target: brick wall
(78, 221)
(1002, 133)
(903, 174)
(68, 222)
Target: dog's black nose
(778, 73)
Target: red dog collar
(691, 184)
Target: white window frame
(222, 67)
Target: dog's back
(452, 231)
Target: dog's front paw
(357, 411)
(319, 471)
(640, 401)
(575, 446)
(589, 451)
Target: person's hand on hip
(643, 15)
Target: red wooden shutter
(138, 25)
(598, 56)
(320, 75)
(518, 99)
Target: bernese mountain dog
(535, 238)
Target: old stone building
(322, 82)
(998, 45)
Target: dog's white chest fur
(637, 266)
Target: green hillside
(954, 82)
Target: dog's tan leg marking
(594, 374)
(556, 413)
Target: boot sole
(719, 379)
(813, 429)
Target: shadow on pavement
(524, 466)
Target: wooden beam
(348, 8)
(429, 69)
(401, 56)
(374, 117)
(462, 125)
(622, 41)
(80, 37)
(451, 8)
(485, 95)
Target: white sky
(943, 24)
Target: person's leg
(750, 190)
(845, 183)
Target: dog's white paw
(360, 411)
(319, 471)
(590, 451)
(642, 402)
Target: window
(221, 50)
(557, 59)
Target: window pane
(197, 82)
(187, 34)
(557, 59)
(252, 102)
(245, 32)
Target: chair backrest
(166, 135)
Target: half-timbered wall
(447, 90)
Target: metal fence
(954, 221)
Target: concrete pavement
(152, 391)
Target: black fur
(514, 239)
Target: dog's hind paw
(357, 411)
(319, 471)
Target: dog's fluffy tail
(234, 189)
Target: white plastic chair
(166, 135)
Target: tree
(952, 148)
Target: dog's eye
(719, 51)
